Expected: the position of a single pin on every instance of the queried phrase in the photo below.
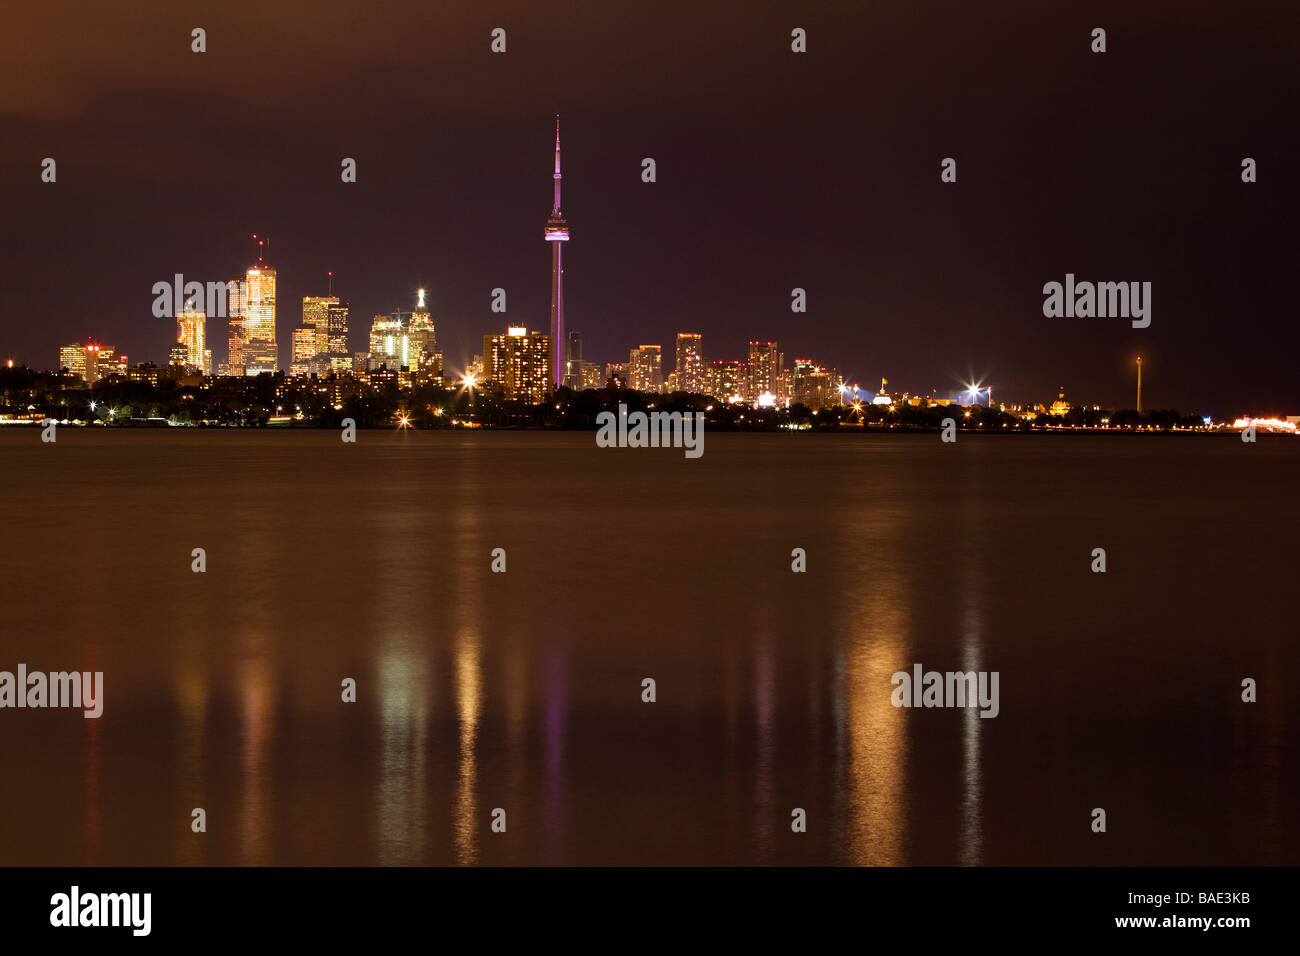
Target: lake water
(523, 690)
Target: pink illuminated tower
(557, 232)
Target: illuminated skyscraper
(764, 365)
(325, 322)
(814, 386)
(557, 233)
(425, 354)
(190, 328)
(73, 358)
(303, 361)
(337, 344)
(728, 381)
(100, 361)
(690, 363)
(519, 363)
(645, 371)
(316, 317)
(236, 333)
(261, 354)
(593, 375)
(391, 345)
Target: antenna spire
(555, 211)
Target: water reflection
(192, 700)
(876, 645)
(404, 689)
(257, 697)
(765, 718)
(467, 623)
(468, 705)
(971, 839)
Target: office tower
(190, 329)
(109, 362)
(520, 363)
(616, 371)
(73, 358)
(100, 361)
(261, 354)
(316, 317)
(573, 362)
(763, 368)
(250, 305)
(236, 335)
(645, 369)
(304, 351)
(391, 344)
(337, 344)
(557, 233)
(690, 364)
(426, 357)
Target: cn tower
(557, 232)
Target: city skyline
(922, 281)
(513, 358)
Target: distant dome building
(1060, 406)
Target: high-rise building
(237, 330)
(325, 318)
(190, 330)
(304, 351)
(424, 351)
(557, 233)
(520, 363)
(100, 361)
(764, 364)
(236, 334)
(391, 343)
(593, 376)
(816, 387)
(261, 354)
(573, 362)
(729, 381)
(645, 371)
(690, 364)
(73, 358)
(316, 318)
(250, 305)
(337, 344)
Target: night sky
(775, 170)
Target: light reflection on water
(521, 690)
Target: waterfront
(522, 690)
